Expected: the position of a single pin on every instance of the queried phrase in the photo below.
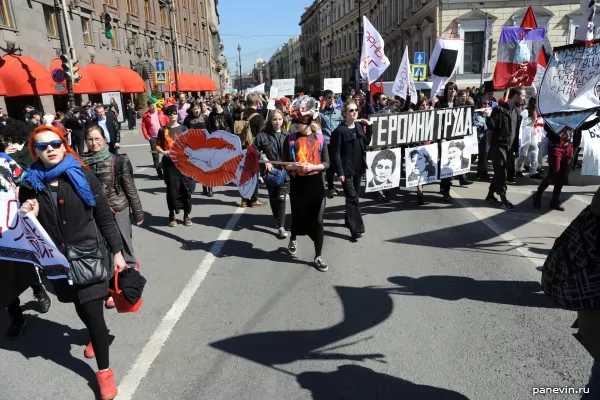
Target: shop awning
(106, 79)
(207, 83)
(184, 81)
(85, 86)
(23, 76)
(132, 82)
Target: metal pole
(173, 28)
(69, 36)
(63, 49)
(331, 44)
(239, 49)
(485, 50)
(360, 41)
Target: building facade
(417, 24)
(140, 35)
(258, 71)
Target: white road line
(133, 145)
(152, 349)
(140, 170)
(508, 237)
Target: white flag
(405, 80)
(373, 61)
(444, 62)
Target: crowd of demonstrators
(152, 121)
(330, 118)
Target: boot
(420, 198)
(556, 205)
(106, 383)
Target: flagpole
(485, 50)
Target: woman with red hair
(70, 203)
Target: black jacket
(113, 127)
(265, 143)
(220, 121)
(347, 145)
(74, 124)
(499, 123)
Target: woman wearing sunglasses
(69, 202)
(348, 144)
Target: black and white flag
(444, 62)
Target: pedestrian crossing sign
(160, 77)
(419, 72)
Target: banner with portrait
(383, 169)
(456, 157)
(421, 165)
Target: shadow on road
(354, 382)
(453, 288)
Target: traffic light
(108, 26)
(69, 68)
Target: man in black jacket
(110, 127)
(504, 123)
(76, 124)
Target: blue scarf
(38, 176)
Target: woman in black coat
(70, 204)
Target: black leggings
(277, 202)
(92, 315)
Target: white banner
(383, 169)
(405, 80)
(421, 164)
(456, 157)
(285, 86)
(333, 84)
(373, 61)
(260, 89)
(23, 239)
(444, 62)
(274, 93)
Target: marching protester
(76, 125)
(219, 119)
(110, 126)
(308, 150)
(197, 120)
(348, 145)
(504, 123)
(531, 132)
(152, 121)
(16, 134)
(329, 117)
(270, 143)
(131, 115)
(179, 187)
(182, 108)
(58, 188)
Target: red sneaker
(106, 383)
(110, 303)
(89, 351)
(137, 266)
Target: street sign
(58, 75)
(419, 72)
(420, 57)
(160, 77)
(60, 88)
(160, 66)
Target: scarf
(38, 176)
(90, 158)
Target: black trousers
(329, 174)
(92, 316)
(501, 162)
(354, 220)
(77, 141)
(131, 120)
(112, 149)
(482, 162)
(277, 202)
(14, 308)
(155, 159)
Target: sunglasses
(42, 146)
(352, 110)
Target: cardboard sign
(285, 86)
(333, 84)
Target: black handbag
(89, 264)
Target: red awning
(106, 79)
(132, 82)
(23, 76)
(85, 86)
(184, 81)
(207, 83)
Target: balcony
(165, 31)
(109, 9)
(87, 4)
(151, 26)
(132, 19)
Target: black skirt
(307, 199)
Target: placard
(421, 126)
(106, 100)
(285, 86)
(456, 158)
(260, 89)
(333, 84)
(383, 169)
(421, 165)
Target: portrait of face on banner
(456, 158)
(421, 165)
(383, 169)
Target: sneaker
(187, 221)
(447, 197)
(106, 383)
(243, 204)
(556, 205)
(293, 246)
(282, 233)
(537, 200)
(510, 181)
(507, 205)
(89, 351)
(172, 223)
(492, 199)
(331, 193)
(257, 203)
(43, 300)
(466, 183)
(537, 176)
(320, 264)
(16, 328)
(110, 303)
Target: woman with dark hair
(15, 134)
(269, 142)
(383, 166)
(59, 188)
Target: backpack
(243, 130)
(571, 273)
(120, 161)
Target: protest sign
(260, 89)
(456, 157)
(421, 165)
(23, 239)
(285, 86)
(383, 169)
(421, 126)
(333, 84)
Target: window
(164, 18)
(148, 11)
(111, 2)
(114, 42)
(5, 16)
(131, 6)
(474, 45)
(50, 18)
(186, 27)
(86, 27)
(167, 51)
(196, 34)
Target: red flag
(376, 87)
(530, 22)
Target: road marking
(140, 170)
(508, 237)
(133, 145)
(152, 349)
(521, 190)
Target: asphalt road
(435, 302)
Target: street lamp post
(331, 44)
(171, 10)
(63, 49)
(360, 40)
(239, 49)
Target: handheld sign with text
(421, 126)
(333, 84)
(285, 86)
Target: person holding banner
(348, 146)
(330, 118)
(70, 204)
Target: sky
(272, 22)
